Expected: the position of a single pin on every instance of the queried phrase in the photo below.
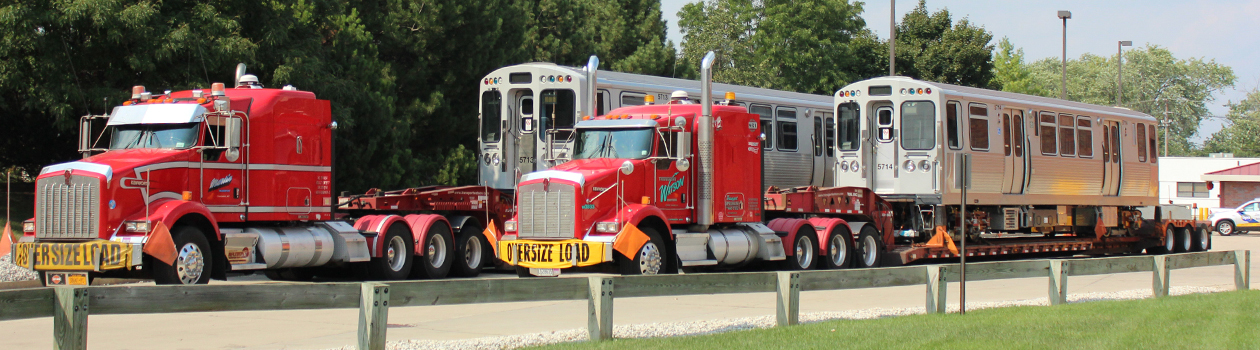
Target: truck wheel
(192, 259)
(1185, 242)
(1170, 243)
(804, 250)
(437, 260)
(472, 251)
(839, 249)
(1202, 239)
(1225, 227)
(399, 255)
(650, 260)
(869, 248)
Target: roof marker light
(136, 91)
(929, 91)
(649, 100)
(216, 89)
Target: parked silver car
(1246, 217)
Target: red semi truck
(241, 179)
(632, 197)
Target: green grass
(1200, 321)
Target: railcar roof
(1038, 101)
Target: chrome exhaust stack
(592, 65)
(704, 144)
(240, 72)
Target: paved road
(322, 329)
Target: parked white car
(1246, 217)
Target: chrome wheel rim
(1170, 240)
(868, 250)
(650, 259)
(436, 250)
(1225, 228)
(804, 255)
(396, 253)
(190, 264)
(472, 252)
(839, 250)
(1185, 240)
(1203, 239)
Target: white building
(1180, 179)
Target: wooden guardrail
(70, 307)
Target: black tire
(651, 259)
(1184, 240)
(1170, 242)
(1202, 239)
(397, 257)
(1226, 227)
(438, 256)
(193, 260)
(869, 247)
(472, 251)
(292, 275)
(804, 250)
(839, 250)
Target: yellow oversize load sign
(74, 256)
(553, 254)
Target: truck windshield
(129, 136)
(614, 143)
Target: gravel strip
(14, 273)
(674, 329)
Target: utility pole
(892, 37)
(1065, 15)
(1165, 123)
(1120, 71)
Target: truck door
(220, 170)
(526, 147)
(883, 149)
(670, 184)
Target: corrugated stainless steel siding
(546, 214)
(68, 210)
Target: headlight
(844, 166)
(136, 226)
(509, 226)
(853, 164)
(28, 226)
(606, 227)
(925, 165)
(909, 165)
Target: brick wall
(1235, 193)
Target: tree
(1010, 73)
(1242, 135)
(932, 47)
(1154, 82)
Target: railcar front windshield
(169, 136)
(614, 143)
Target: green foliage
(932, 47)
(1242, 136)
(804, 46)
(1153, 80)
(1010, 73)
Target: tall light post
(1064, 15)
(892, 37)
(1120, 71)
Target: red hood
(123, 161)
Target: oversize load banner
(74, 256)
(552, 254)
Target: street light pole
(1120, 71)
(1064, 15)
(892, 37)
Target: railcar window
(631, 99)
(918, 120)
(1141, 142)
(786, 113)
(767, 126)
(849, 123)
(1006, 136)
(831, 135)
(1115, 144)
(818, 141)
(1017, 134)
(1106, 144)
(1048, 141)
(979, 127)
(600, 98)
(1151, 135)
(1084, 138)
(787, 136)
(491, 115)
(558, 109)
(1067, 135)
(952, 125)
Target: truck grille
(67, 210)
(546, 214)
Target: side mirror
(684, 145)
(232, 137)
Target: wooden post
(1058, 282)
(789, 300)
(1242, 269)
(373, 315)
(1159, 282)
(599, 315)
(937, 284)
(70, 318)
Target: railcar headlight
(136, 226)
(925, 165)
(853, 164)
(509, 226)
(606, 227)
(28, 226)
(844, 166)
(909, 165)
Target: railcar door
(819, 161)
(496, 150)
(883, 149)
(526, 147)
(1111, 158)
(1014, 145)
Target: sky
(1220, 30)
